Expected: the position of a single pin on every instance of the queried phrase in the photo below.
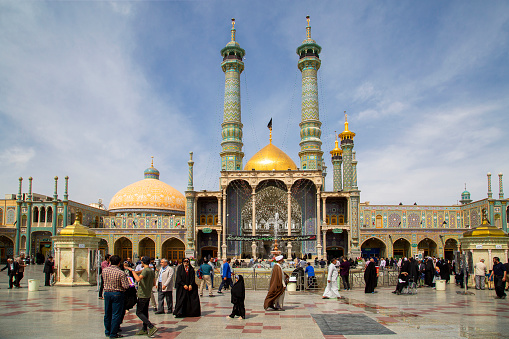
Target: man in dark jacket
(48, 270)
(344, 272)
(12, 269)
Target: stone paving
(67, 312)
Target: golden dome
(270, 158)
(149, 193)
(336, 151)
(346, 134)
(484, 231)
(77, 230)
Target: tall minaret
(337, 159)
(310, 144)
(232, 65)
(349, 181)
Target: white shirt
(333, 272)
(480, 268)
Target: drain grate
(349, 324)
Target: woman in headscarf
(130, 297)
(187, 301)
(370, 277)
(237, 299)
(429, 272)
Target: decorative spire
(233, 29)
(336, 151)
(151, 172)
(55, 194)
(346, 134)
(152, 163)
(308, 29)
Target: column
(253, 222)
(220, 223)
(324, 244)
(223, 247)
(318, 222)
(55, 206)
(289, 221)
(18, 219)
(66, 202)
(490, 194)
(324, 222)
(29, 218)
(500, 186)
(218, 242)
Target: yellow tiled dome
(149, 193)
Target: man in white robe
(331, 291)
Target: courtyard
(66, 312)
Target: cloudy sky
(93, 89)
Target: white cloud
(18, 157)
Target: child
(238, 296)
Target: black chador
(429, 272)
(187, 302)
(238, 297)
(370, 278)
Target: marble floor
(67, 312)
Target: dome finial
(308, 29)
(269, 126)
(233, 29)
(152, 163)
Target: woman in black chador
(187, 301)
(238, 296)
(370, 277)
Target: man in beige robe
(276, 295)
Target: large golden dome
(148, 194)
(270, 158)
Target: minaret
(66, 201)
(29, 218)
(500, 186)
(337, 159)
(490, 194)
(18, 218)
(55, 206)
(354, 171)
(310, 144)
(232, 65)
(465, 196)
(347, 146)
(190, 213)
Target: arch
(36, 214)
(103, 247)
(215, 219)
(327, 220)
(498, 221)
(173, 249)
(209, 220)
(1, 216)
(341, 220)
(23, 243)
(123, 248)
(401, 248)
(379, 223)
(24, 220)
(334, 220)
(450, 246)
(373, 247)
(60, 220)
(428, 247)
(42, 213)
(203, 219)
(147, 247)
(6, 248)
(49, 214)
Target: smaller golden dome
(336, 151)
(77, 230)
(484, 231)
(270, 158)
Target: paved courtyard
(61, 312)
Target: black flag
(269, 126)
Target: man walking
(226, 275)
(331, 291)
(499, 275)
(276, 294)
(165, 287)
(12, 270)
(206, 273)
(48, 270)
(21, 270)
(115, 284)
(480, 274)
(146, 281)
(344, 271)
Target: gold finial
(465, 186)
(270, 135)
(308, 29)
(346, 121)
(233, 29)
(152, 164)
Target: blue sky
(93, 89)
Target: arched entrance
(450, 246)
(373, 247)
(427, 247)
(147, 248)
(336, 243)
(41, 243)
(401, 248)
(207, 243)
(124, 248)
(173, 249)
(6, 249)
(103, 247)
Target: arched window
(327, 219)
(379, 223)
(203, 220)
(43, 214)
(334, 220)
(215, 219)
(341, 220)
(49, 214)
(209, 220)
(36, 214)
(1, 217)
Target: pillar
(318, 222)
(324, 222)
(18, 218)
(223, 247)
(218, 242)
(220, 223)
(490, 194)
(66, 201)
(324, 244)
(354, 171)
(289, 221)
(253, 222)
(29, 218)
(500, 187)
